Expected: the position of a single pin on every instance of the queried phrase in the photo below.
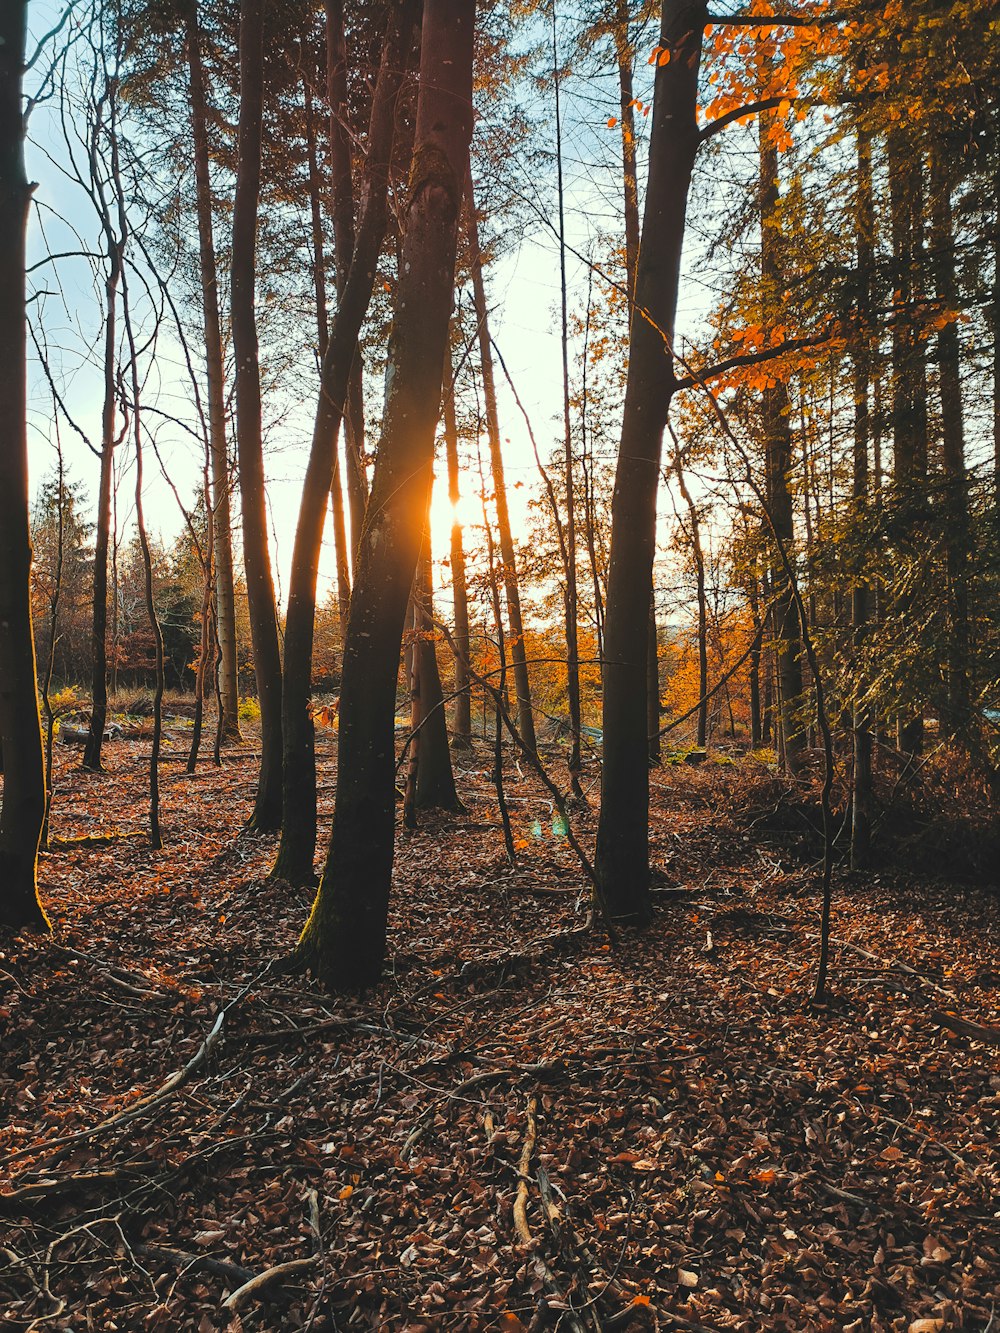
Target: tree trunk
(909, 372)
(625, 57)
(225, 599)
(435, 784)
(323, 340)
(958, 707)
(756, 718)
(861, 789)
(102, 535)
(571, 601)
(343, 210)
(298, 837)
(345, 937)
(622, 859)
(702, 598)
(23, 767)
(777, 432)
(462, 724)
(516, 644)
(266, 816)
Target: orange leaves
(612, 122)
(660, 56)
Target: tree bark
(571, 601)
(344, 940)
(435, 778)
(625, 56)
(462, 722)
(343, 210)
(958, 706)
(622, 860)
(702, 599)
(221, 517)
(909, 373)
(777, 438)
(23, 766)
(298, 779)
(863, 720)
(266, 815)
(323, 340)
(515, 642)
(102, 536)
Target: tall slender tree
(622, 859)
(21, 756)
(345, 936)
(222, 537)
(298, 839)
(266, 815)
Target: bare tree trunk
(571, 601)
(344, 940)
(756, 719)
(622, 860)
(343, 209)
(21, 760)
(298, 837)
(266, 816)
(699, 572)
(462, 726)
(220, 517)
(516, 644)
(777, 431)
(99, 632)
(323, 340)
(861, 788)
(956, 527)
(909, 369)
(435, 784)
(625, 57)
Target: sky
(523, 284)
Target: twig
(251, 1290)
(521, 1198)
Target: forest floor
(697, 1146)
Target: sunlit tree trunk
(622, 859)
(435, 778)
(21, 758)
(298, 836)
(345, 937)
(515, 642)
(462, 725)
(323, 340)
(221, 518)
(343, 210)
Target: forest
(500, 665)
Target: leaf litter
(523, 1128)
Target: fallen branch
(521, 1198)
(990, 1036)
(251, 1290)
(220, 1268)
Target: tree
(222, 544)
(298, 839)
(344, 939)
(266, 815)
(622, 858)
(21, 757)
